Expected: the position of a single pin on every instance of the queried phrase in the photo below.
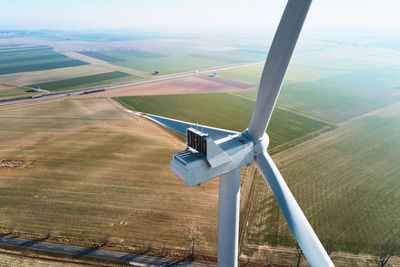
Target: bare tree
(193, 237)
(248, 260)
(299, 255)
(48, 234)
(267, 258)
(163, 250)
(387, 250)
(149, 246)
(330, 244)
(104, 240)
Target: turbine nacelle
(205, 158)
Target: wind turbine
(216, 152)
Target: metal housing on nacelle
(223, 155)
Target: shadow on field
(189, 258)
(88, 251)
(30, 243)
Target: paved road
(135, 260)
(169, 77)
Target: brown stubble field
(106, 65)
(96, 171)
(6, 86)
(201, 84)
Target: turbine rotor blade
(181, 126)
(297, 221)
(277, 63)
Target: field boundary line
(368, 114)
(167, 133)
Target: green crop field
(23, 50)
(330, 99)
(346, 182)
(91, 169)
(342, 97)
(100, 56)
(296, 73)
(15, 92)
(41, 66)
(86, 81)
(248, 74)
(230, 112)
(177, 60)
(25, 59)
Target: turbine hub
(260, 145)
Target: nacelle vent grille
(196, 140)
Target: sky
(192, 15)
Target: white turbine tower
(216, 152)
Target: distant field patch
(100, 56)
(296, 73)
(339, 98)
(43, 76)
(249, 74)
(26, 59)
(32, 58)
(143, 54)
(17, 51)
(6, 86)
(41, 66)
(170, 61)
(226, 111)
(14, 92)
(185, 85)
(86, 81)
(331, 99)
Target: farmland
(330, 99)
(346, 182)
(168, 61)
(86, 81)
(86, 170)
(87, 174)
(186, 85)
(101, 56)
(224, 110)
(42, 76)
(339, 98)
(25, 59)
(14, 92)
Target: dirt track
(186, 85)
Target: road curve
(135, 260)
(110, 87)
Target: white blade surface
(277, 63)
(301, 228)
(181, 126)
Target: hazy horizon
(176, 16)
